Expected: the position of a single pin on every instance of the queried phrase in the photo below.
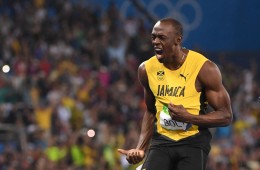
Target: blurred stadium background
(69, 66)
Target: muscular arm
(217, 97)
(135, 156)
(210, 80)
(149, 116)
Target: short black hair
(175, 24)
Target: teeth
(158, 51)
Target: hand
(178, 112)
(133, 156)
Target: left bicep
(216, 94)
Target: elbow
(228, 119)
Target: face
(165, 41)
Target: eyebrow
(158, 34)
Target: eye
(162, 37)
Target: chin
(160, 58)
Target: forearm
(212, 119)
(146, 131)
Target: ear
(178, 40)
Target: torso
(179, 86)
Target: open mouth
(158, 51)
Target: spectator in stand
(40, 39)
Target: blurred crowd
(73, 69)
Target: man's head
(166, 38)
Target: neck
(180, 62)
(176, 62)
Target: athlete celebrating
(178, 86)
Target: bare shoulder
(141, 67)
(141, 70)
(210, 75)
(142, 75)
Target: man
(178, 85)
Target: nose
(155, 40)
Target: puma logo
(184, 76)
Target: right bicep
(148, 94)
(150, 101)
